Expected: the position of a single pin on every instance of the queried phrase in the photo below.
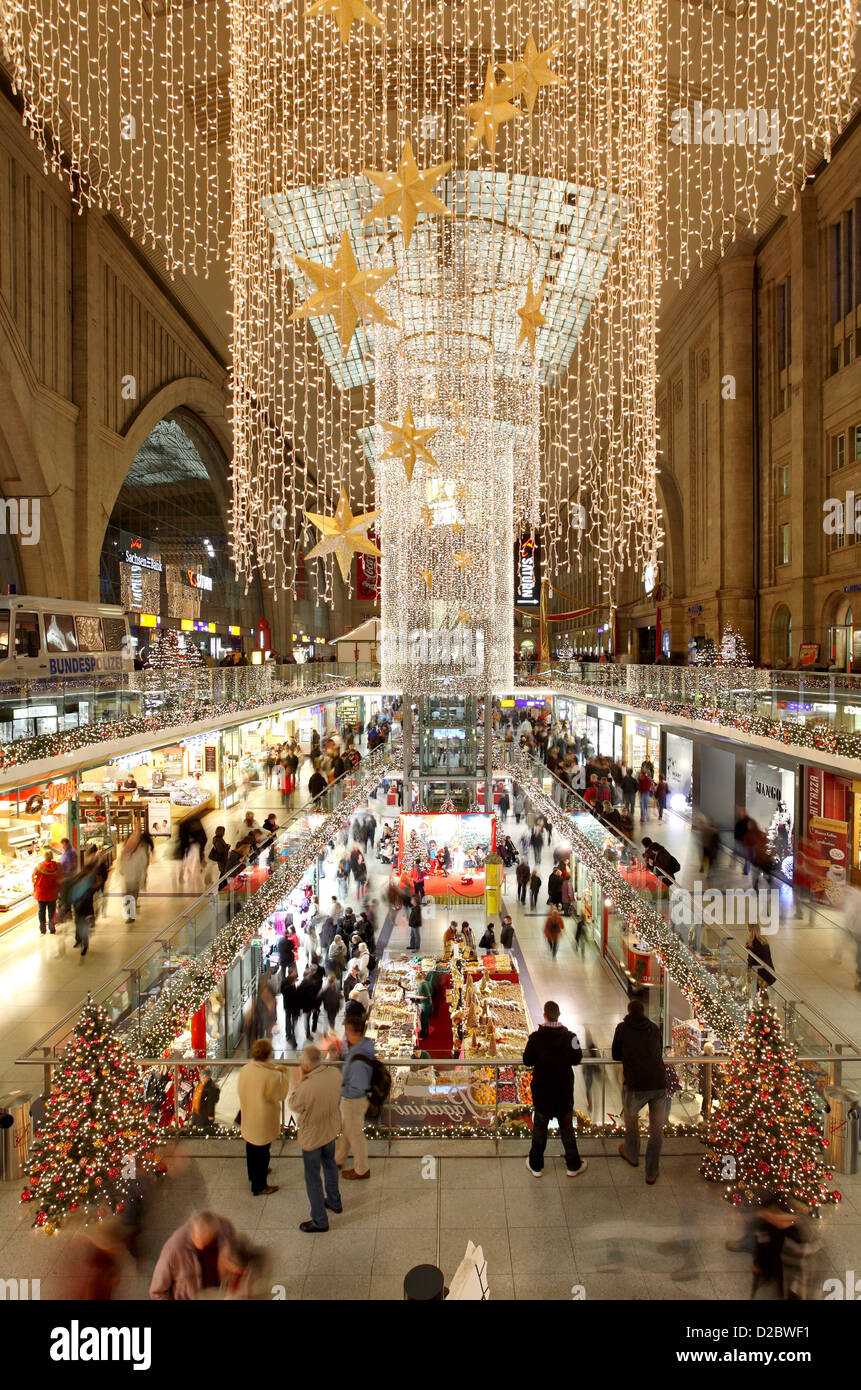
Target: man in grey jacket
(356, 1078)
(314, 1102)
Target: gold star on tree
(342, 535)
(409, 444)
(345, 292)
(456, 527)
(347, 11)
(531, 316)
(463, 617)
(492, 111)
(463, 560)
(531, 72)
(407, 192)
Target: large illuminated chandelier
(569, 162)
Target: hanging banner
(368, 572)
(827, 859)
(527, 572)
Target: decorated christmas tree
(766, 1137)
(175, 664)
(448, 807)
(415, 854)
(95, 1135)
(733, 649)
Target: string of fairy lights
(554, 152)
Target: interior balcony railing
(725, 967)
(158, 971)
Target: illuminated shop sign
(527, 572)
(199, 581)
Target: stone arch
(840, 617)
(38, 568)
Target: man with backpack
(356, 1081)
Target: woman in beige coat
(262, 1087)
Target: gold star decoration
(342, 535)
(345, 292)
(463, 559)
(407, 192)
(529, 73)
(427, 517)
(492, 111)
(409, 444)
(347, 11)
(427, 576)
(463, 617)
(531, 316)
(456, 527)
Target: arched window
(783, 634)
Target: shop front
(32, 819)
(678, 766)
(154, 791)
(770, 801)
(642, 742)
(625, 953)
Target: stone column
(806, 545)
(88, 342)
(729, 503)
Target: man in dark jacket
(317, 783)
(638, 1045)
(415, 923)
(552, 1052)
(659, 860)
(534, 889)
(506, 934)
(522, 875)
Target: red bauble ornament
(26, 1195)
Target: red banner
(368, 572)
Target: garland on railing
(820, 737)
(26, 750)
(721, 1014)
(160, 1021)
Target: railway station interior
(430, 652)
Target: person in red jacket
(46, 886)
(644, 787)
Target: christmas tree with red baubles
(767, 1137)
(95, 1136)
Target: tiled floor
(604, 1235)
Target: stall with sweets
(487, 1008)
(395, 1016)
